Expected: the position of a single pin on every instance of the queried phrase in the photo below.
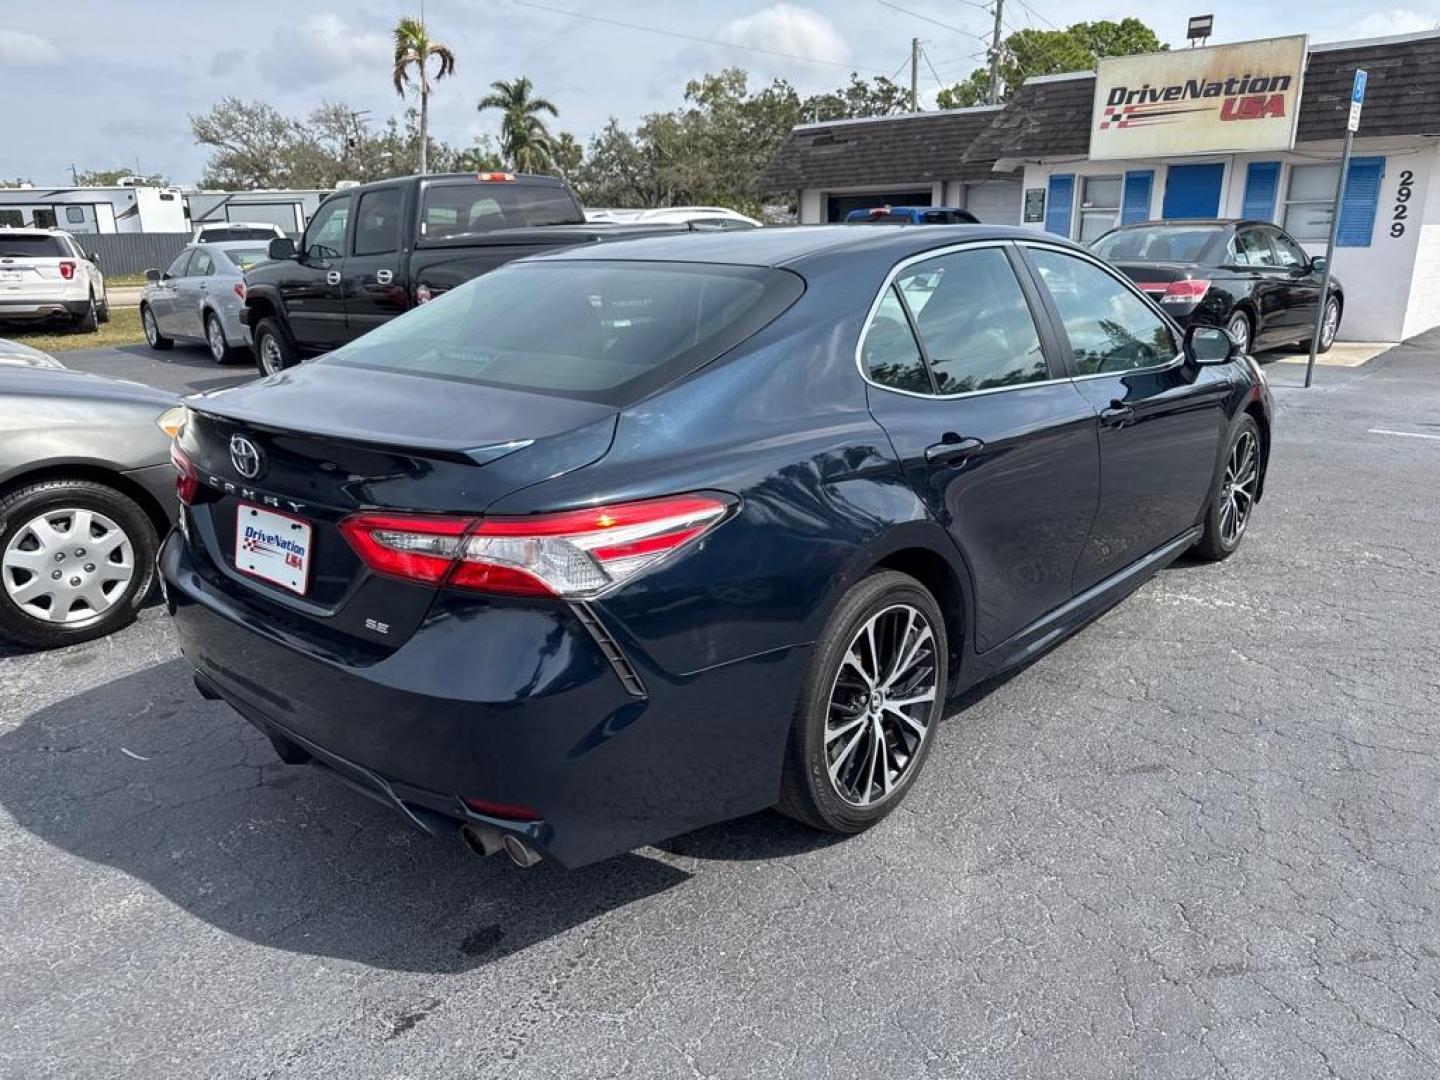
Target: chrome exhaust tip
(521, 853)
(481, 841)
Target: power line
(1037, 14)
(694, 37)
(926, 18)
(933, 74)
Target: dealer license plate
(10, 275)
(273, 547)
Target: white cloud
(325, 47)
(1394, 21)
(26, 50)
(785, 28)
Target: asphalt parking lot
(1200, 839)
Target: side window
(973, 321)
(889, 352)
(1287, 252)
(377, 228)
(325, 238)
(177, 268)
(75, 215)
(203, 264)
(1109, 327)
(1252, 249)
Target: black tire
(214, 327)
(102, 309)
(153, 337)
(20, 508)
(1217, 543)
(807, 791)
(1240, 321)
(88, 321)
(273, 351)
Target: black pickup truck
(374, 251)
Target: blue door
(1193, 191)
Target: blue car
(912, 215)
(621, 541)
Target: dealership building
(1247, 130)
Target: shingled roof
(1049, 116)
(884, 150)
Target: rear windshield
(234, 232)
(600, 331)
(31, 245)
(245, 258)
(1156, 243)
(448, 211)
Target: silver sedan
(199, 297)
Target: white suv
(44, 273)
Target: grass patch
(122, 329)
(125, 280)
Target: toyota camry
(614, 543)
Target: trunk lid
(329, 441)
(1154, 277)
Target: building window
(1310, 201)
(75, 215)
(1099, 206)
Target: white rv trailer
(117, 209)
(288, 209)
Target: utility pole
(995, 54)
(74, 176)
(914, 74)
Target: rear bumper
(515, 705)
(41, 308)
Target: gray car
(86, 491)
(15, 352)
(199, 297)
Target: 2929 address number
(1402, 200)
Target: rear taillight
(576, 553)
(240, 290)
(495, 177)
(187, 480)
(1189, 291)
(67, 270)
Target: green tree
(1049, 52)
(524, 139)
(881, 96)
(566, 154)
(111, 177)
(413, 51)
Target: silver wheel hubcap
(68, 566)
(150, 330)
(881, 704)
(217, 340)
(1237, 495)
(270, 355)
(1240, 331)
(1331, 325)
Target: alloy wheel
(216, 337)
(1240, 330)
(147, 320)
(271, 361)
(68, 566)
(880, 705)
(1330, 325)
(1237, 494)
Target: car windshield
(30, 245)
(600, 331)
(245, 258)
(454, 210)
(1156, 243)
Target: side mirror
(282, 247)
(94, 257)
(1209, 345)
(152, 274)
(1318, 264)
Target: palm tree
(524, 139)
(413, 49)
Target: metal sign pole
(1357, 98)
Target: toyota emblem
(245, 456)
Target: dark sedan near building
(86, 492)
(1250, 277)
(610, 544)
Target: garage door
(995, 202)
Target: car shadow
(142, 775)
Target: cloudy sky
(110, 82)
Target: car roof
(225, 245)
(790, 244)
(1218, 223)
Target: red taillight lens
(1190, 291)
(67, 270)
(240, 290)
(495, 177)
(187, 480)
(571, 554)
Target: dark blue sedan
(614, 543)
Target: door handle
(1117, 414)
(951, 449)
(384, 277)
(332, 277)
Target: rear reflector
(513, 811)
(575, 553)
(187, 480)
(67, 270)
(1189, 291)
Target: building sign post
(1357, 99)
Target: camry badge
(245, 456)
